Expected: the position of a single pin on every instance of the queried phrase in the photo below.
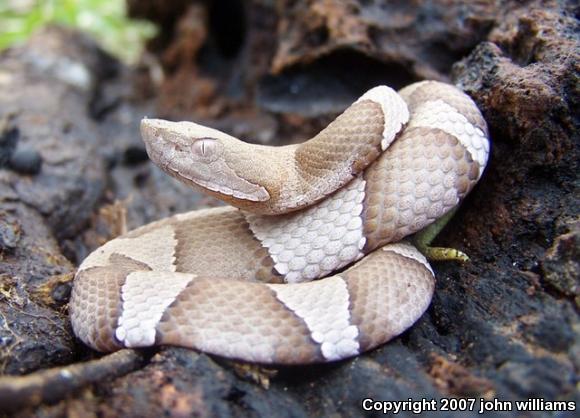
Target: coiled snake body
(237, 282)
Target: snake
(312, 259)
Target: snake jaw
(198, 156)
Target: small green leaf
(104, 19)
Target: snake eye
(205, 148)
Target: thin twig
(52, 385)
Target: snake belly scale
(242, 281)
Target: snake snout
(153, 129)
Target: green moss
(104, 19)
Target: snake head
(201, 157)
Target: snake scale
(239, 281)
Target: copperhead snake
(238, 281)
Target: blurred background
(106, 20)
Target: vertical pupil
(204, 147)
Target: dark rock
(45, 93)
(184, 383)
(327, 86)
(9, 231)
(561, 264)
(551, 333)
(61, 293)
(135, 155)
(544, 376)
(49, 108)
(32, 336)
(427, 37)
(8, 139)
(26, 161)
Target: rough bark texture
(504, 326)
